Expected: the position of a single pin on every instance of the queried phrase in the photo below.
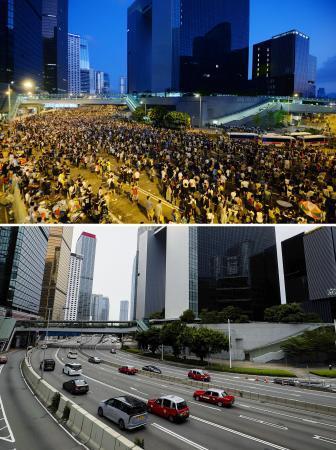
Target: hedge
(324, 373)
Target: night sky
(103, 23)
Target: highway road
(248, 425)
(24, 423)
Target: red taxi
(128, 370)
(170, 407)
(199, 375)
(215, 396)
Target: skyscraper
(56, 272)
(74, 73)
(55, 45)
(86, 246)
(206, 268)
(188, 45)
(22, 264)
(100, 308)
(75, 270)
(85, 66)
(282, 65)
(124, 309)
(21, 54)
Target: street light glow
(28, 84)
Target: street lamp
(9, 94)
(200, 109)
(28, 85)
(144, 103)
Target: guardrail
(84, 426)
(321, 409)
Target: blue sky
(103, 22)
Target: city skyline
(109, 43)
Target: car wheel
(100, 412)
(171, 419)
(121, 424)
(220, 404)
(197, 398)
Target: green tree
(139, 114)
(149, 339)
(188, 316)
(177, 120)
(174, 334)
(158, 315)
(289, 313)
(157, 115)
(205, 342)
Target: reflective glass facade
(55, 45)
(21, 43)
(86, 247)
(100, 308)
(188, 45)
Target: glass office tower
(55, 45)
(86, 247)
(22, 263)
(21, 43)
(188, 45)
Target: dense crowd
(204, 177)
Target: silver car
(126, 411)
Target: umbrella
(310, 209)
(284, 204)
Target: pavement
(248, 425)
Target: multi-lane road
(248, 425)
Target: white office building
(71, 307)
(74, 73)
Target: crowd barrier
(89, 430)
(263, 398)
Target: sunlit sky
(104, 24)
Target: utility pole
(229, 326)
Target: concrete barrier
(97, 432)
(61, 407)
(78, 421)
(86, 431)
(120, 442)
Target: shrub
(55, 402)
(66, 413)
(324, 373)
(139, 442)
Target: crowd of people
(202, 177)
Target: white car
(44, 346)
(72, 355)
(72, 369)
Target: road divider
(262, 398)
(89, 430)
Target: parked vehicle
(72, 355)
(126, 411)
(170, 407)
(72, 369)
(3, 359)
(113, 351)
(199, 375)
(47, 365)
(153, 369)
(94, 360)
(76, 386)
(215, 396)
(128, 370)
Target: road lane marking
(263, 422)
(238, 433)
(204, 406)
(10, 436)
(137, 390)
(325, 439)
(178, 436)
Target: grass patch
(324, 373)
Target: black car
(47, 365)
(94, 360)
(76, 386)
(153, 369)
(285, 381)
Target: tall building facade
(283, 66)
(86, 246)
(124, 311)
(309, 262)
(75, 270)
(206, 268)
(74, 72)
(21, 55)
(22, 265)
(55, 45)
(56, 272)
(85, 66)
(188, 45)
(100, 308)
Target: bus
(277, 140)
(312, 140)
(253, 137)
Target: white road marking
(10, 436)
(204, 406)
(263, 422)
(238, 433)
(1, 367)
(325, 439)
(137, 390)
(178, 436)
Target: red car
(199, 375)
(3, 359)
(170, 407)
(128, 370)
(215, 396)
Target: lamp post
(9, 93)
(229, 326)
(200, 110)
(144, 102)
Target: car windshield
(80, 382)
(75, 366)
(224, 394)
(181, 405)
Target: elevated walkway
(241, 116)
(132, 102)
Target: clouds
(327, 73)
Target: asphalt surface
(24, 423)
(248, 425)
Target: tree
(235, 314)
(139, 113)
(188, 316)
(149, 339)
(205, 342)
(177, 120)
(175, 335)
(158, 315)
(289, 313)
(157, 115)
